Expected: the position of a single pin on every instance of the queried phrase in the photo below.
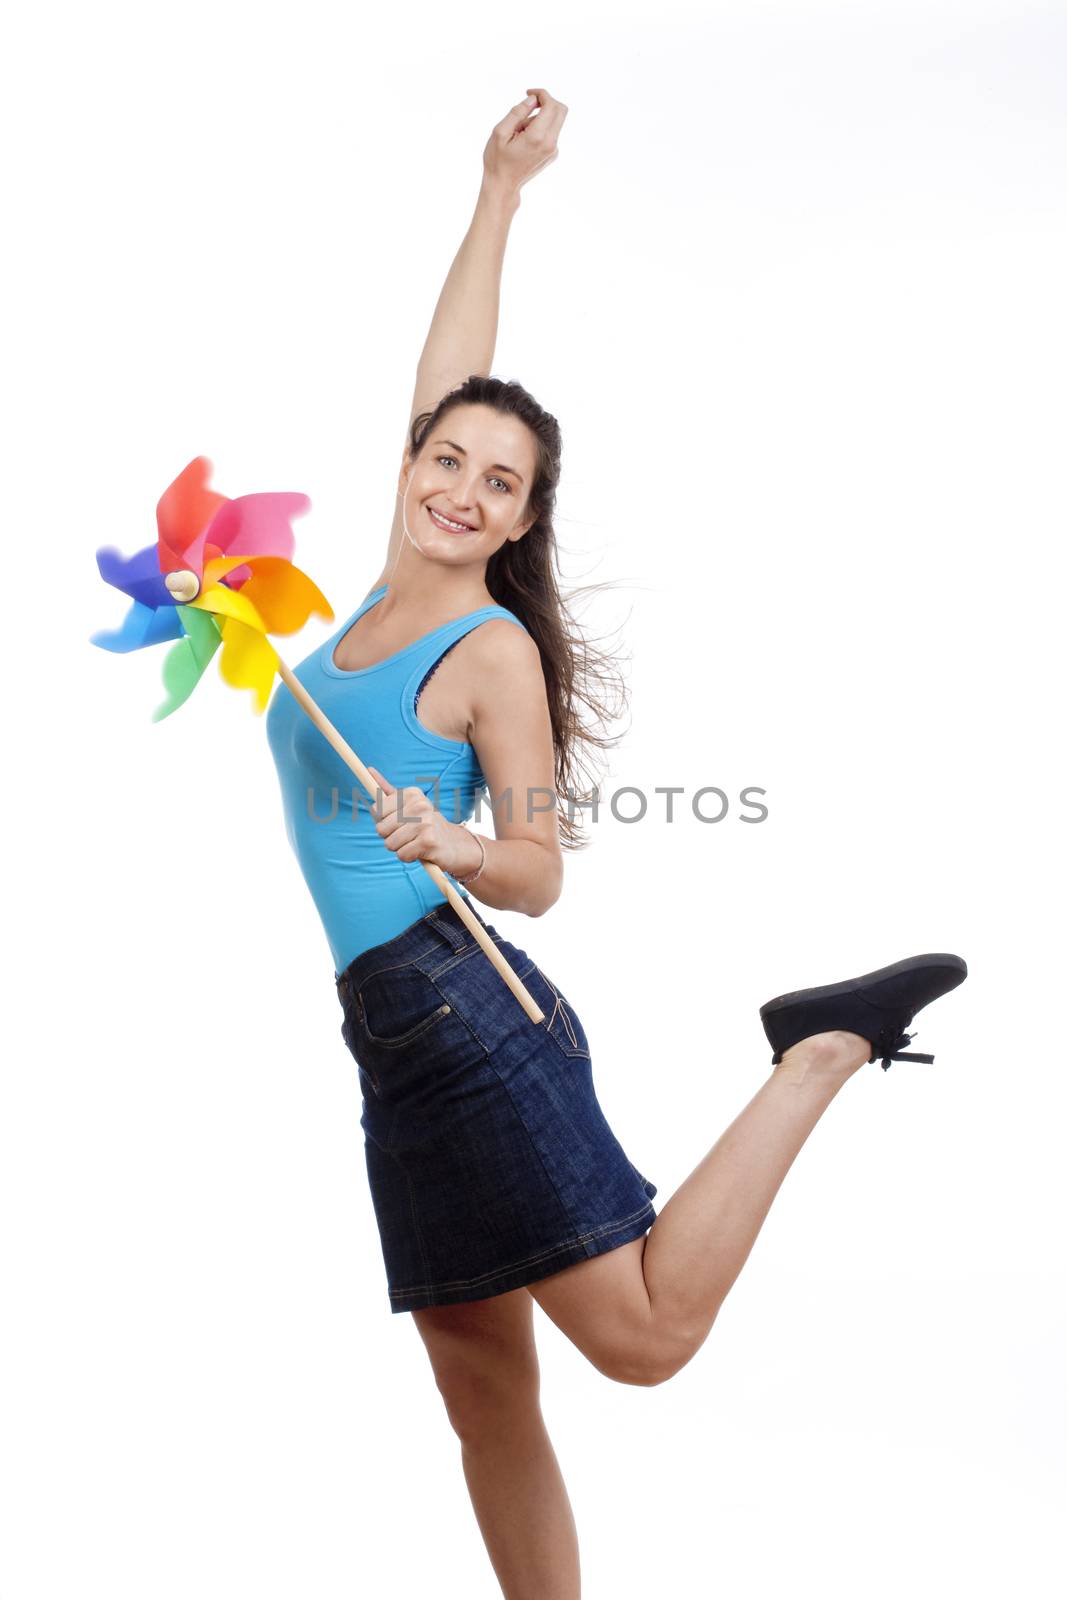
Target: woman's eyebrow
(496, 467)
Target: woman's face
(476, 467)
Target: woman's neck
(431, 588)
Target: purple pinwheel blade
(137, 575)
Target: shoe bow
(889, 1047)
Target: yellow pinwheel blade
(220, 565)
(247, 659)
(229, 603)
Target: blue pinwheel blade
(142, 625)
(137, 575)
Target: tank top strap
(434, 645)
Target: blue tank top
(363, 893)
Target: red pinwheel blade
(184, 510)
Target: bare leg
(640, 1312)
(702, 1238)
(523, 1510)
(485, 1362)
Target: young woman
(495, 1177)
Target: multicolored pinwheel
(220, 572)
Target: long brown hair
(523, 576)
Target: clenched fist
(415, 830)
(524, 141)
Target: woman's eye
(505, 486)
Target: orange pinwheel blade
(284, 596)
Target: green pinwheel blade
(184, 663)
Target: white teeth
(458, 527)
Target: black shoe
(877, 1006)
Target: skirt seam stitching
(528, 1261)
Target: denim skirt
(490, 1161)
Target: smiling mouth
(446, 527)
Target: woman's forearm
(519, 874)
(462, 336)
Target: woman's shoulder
(504, 655)
(504, 633)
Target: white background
(795, 290)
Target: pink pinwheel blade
(258, 525)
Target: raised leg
(641, 1312)
(485, 1363)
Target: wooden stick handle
(455, 899)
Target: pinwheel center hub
(184, 585)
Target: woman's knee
(650, 1360)
(484, 1361)
(489, 1402)
(603, 1306)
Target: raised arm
(462, 336)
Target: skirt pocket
(397, 1005)
(562, 1023)
(409, 1040)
